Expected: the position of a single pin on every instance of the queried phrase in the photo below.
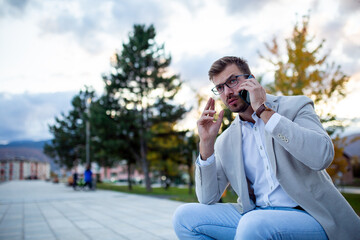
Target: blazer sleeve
(210, 182)
(304, 137)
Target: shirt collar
(247, 123)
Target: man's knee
(254, 225)
(183, 213)
(182, 218)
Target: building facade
(120, 173)
(22, 163)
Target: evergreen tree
(111, 126)
(190, 152)
(142, 92)
(69, 138)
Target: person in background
(88, 177)
(75, 178)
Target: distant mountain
(26, 144)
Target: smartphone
(244, 95)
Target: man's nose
(228, 90)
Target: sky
(49, 50)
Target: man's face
(230, 96)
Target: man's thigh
(195, 220)
(279, 223)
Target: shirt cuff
(208, 161)
(273, 121)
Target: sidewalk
(43, 210)
(354, 190)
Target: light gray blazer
(299, 150)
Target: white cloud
(15, 8)
(241, 6)
(349, 6)
(50, 46)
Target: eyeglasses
(230, 83)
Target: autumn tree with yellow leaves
(304, 70)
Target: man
(88, 177)
(274, 156)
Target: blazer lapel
(236, 139)
(269, 141)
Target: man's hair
(219, 65)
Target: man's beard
(239, 106)
(240, 109)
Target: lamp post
(87, 126)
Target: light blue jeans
(223, 221)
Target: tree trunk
(190, 179)
(190, 171)
(143, 146)
(145, 165)
(129, 175)
(105, 172)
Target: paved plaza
(44, 210)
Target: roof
(353, 149)
(23, 154)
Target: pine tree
(111, 126)
(142, 91)
(68, 144)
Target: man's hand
(208, 129)
(257, 97)
(256, 91)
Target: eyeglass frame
(216, 92)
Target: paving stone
(43, 210)
(45, 237)
(88, 224)
(10, 234)
(39, 236)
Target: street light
(87, 125)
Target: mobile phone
(244, 94)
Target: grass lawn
(182, 194)
(354, 200)
(173, 193)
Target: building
(352, 155)
(119, 173)
(17, 163)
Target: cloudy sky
(50, 49)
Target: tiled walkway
(43, 210)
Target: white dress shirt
(267, 189)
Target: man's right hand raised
(208, 129)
